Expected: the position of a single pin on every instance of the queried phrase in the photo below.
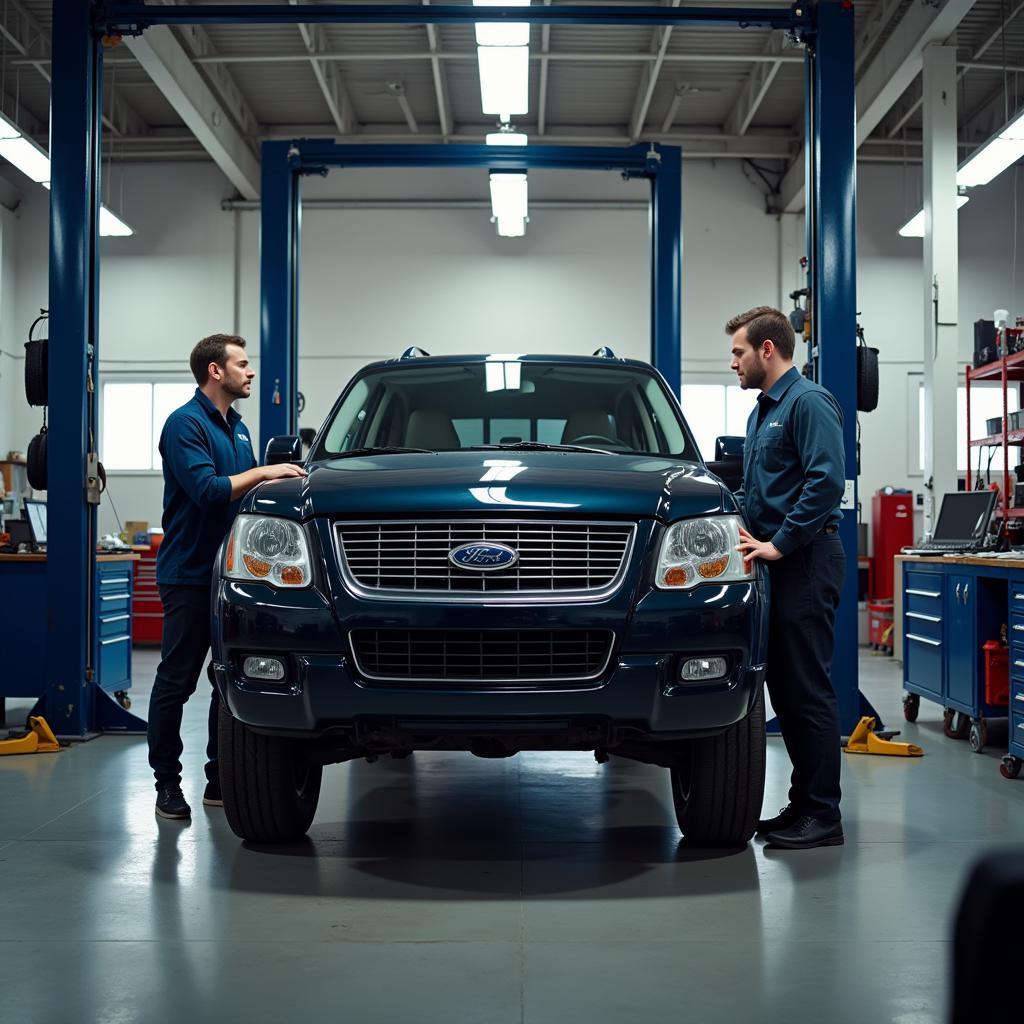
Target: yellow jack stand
(864, 741)
(39, 741)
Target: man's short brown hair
(213, 349)
(765, 323)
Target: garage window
(132, 415)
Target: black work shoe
(211, 795)
(170, 803)
(786, 818)
(806, 834)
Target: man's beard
(235, 390)
(755, 378)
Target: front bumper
(639, 696)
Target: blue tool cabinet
(951, 606)
(23, 600)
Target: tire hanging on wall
(867, 378)
(36, 389)
(36, 461)
(36, 364)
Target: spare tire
(36, 461)
(36, 369)
(867, 378)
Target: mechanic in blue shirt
(208, 467)
(793, 482)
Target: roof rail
(605, 352)
(414, 352)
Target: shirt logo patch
(242, 437)
(775, 423)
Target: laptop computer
(35, 513)
(963, 524)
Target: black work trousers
(805, 587)
(186, 642)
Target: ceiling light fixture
(914, 228)
(1003, 150)
(509, 203)
(33, 161)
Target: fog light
(264, 668)
(701, 669)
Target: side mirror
(286, 448)
(729, 447)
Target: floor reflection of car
(492, 554)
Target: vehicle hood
(495, 482)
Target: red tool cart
(147, 611)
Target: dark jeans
(805, 588)
(185, 645)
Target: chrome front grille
(492, 656)
(557, 559)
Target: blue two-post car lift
(826, 26)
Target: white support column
(940, 278)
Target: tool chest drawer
(924, 624)
(1017, 696)
(115, 659)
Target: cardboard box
(133, 528)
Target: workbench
(23, 610)
(951, 606)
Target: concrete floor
(544, 888)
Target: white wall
(376, 281)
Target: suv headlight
(269, 549)
(701, 551)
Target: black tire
(718, 784)
(269, 786)
(36, 372)
(867, 379)
(36, 465)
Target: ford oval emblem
(481, 556)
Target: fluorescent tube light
(505, 138)
(504, 33)
(504, 79)
(511, 227)
(914, 228)
(27, 157)
(508, 196)
(993, 158)
(111, 224)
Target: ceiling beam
(875, 24)
(328, 77)
(31, 40)
(545, 51)
(166, 62)
(754, 90)
(196, 41)
(886, 78)
(444, 116)
(994, 33)
(649, 76)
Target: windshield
(504, 401)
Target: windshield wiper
(538, 446)
(386, 450)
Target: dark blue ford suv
(492, 554)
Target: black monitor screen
(36, 513)
(965, 515)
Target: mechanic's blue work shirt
(793, 463)
(200, 451)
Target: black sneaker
(786, 818)
(170, 803)
(211, 795)
(807, 834)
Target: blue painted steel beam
(74, 276)
(833, 191)
(666, 268)
(280, 233)
(129, 18)
(316, 155)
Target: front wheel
(269, 784)
(718, 783)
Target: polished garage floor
(543, 888)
